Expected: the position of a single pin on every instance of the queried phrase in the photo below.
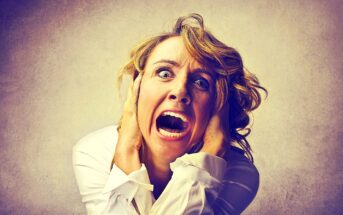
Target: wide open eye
(164, 73)
(201, 83)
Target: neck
(159, 172)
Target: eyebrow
(199, 70)
(174, 63)
(212, 76)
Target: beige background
(57, 71)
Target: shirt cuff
(127, 185)
(214, 165)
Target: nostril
(185, 100)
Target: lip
(181, 135)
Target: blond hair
(235, 85)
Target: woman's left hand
(214, 138)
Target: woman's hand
(126, 155)
(214, 137)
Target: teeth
(169, 134)
(183, 118)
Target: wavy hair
(236, 87)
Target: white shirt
(200, 184)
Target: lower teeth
(170, 130)
(170, 133)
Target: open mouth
(172, 125)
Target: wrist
(127, 161)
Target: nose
(184, 99)
(180, 93)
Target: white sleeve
(104, 190)
(206, 184)
(196, 181)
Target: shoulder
(102, 137)
(236, 157)
(242, 170)
(98, 145)
(240, 183)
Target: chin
(168, 148)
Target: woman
(180, 146)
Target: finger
(213, 131)
(214, 137)
(132, 95)
(136, 87)
(135, 92)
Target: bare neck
(159, 173)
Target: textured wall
(57, 71)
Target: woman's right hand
(126, 155)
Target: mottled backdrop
(58, 62)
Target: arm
(110, 184)
(194, 176)
(241, 179)
(104, 190)
(207, 184)
(239, 186)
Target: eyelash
(195, 80)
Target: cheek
(204, 111)
(147, 94)
(207, 103)
(147, 103)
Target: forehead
(173, 49)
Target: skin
(174, 81)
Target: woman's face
(175, 101)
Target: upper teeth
(182, 117)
